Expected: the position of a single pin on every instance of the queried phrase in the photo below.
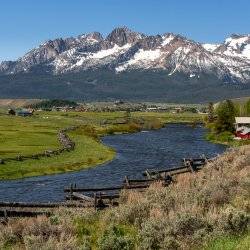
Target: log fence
(66, 145)
(102, 197)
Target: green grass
(89, 152)
(226, 137)
(166, 117)
(94, 228)
(230, 243)
(31, 135)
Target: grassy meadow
(31, 135)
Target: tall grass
(206, 210)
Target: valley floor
(206, 210)
(23, 136)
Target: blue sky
(27, 23)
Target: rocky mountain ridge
(124, 50)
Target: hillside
(17, 103)
(208, 210)
(104, 85)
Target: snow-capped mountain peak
(124, 50)
(210, 47)
(236, 46)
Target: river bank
(225, 138)
(136, 152)
(206, 210)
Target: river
(155, 149)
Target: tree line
(222, 117)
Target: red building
(242, 127)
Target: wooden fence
(102, 197)
(66, 145)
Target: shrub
(133, 213)
(156, 124)
(187, 224)
(114, 239)
(152, 233)
(233, 220)
(170, 243)
(37, 242)
(9, 241)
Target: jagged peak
(124, 48)
(123, 35)
(121, 29)
(235, 35)
(240, 38)
(93, 35)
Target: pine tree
(210, 112)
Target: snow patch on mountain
(104, 53)
(210, 47)
(234, 42)
(142, 57)
(246, 51)
(237, 46)
(167, 40)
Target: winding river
(135, 152)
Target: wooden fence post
(95, 201)
(71, 191)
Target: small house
(25, 113)
(177, 110)
(119, 102)
(242, 127)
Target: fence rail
(65, 141)
(101, 197)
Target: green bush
(134, 213)
(10, 240)
(187, 224)
(234, 221)
(223, 137)
(170, 243)
(114, 238)
(153, 233)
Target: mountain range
(132, 66)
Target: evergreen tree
(210, 112)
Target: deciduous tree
(226, 113)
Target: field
(31, 135)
